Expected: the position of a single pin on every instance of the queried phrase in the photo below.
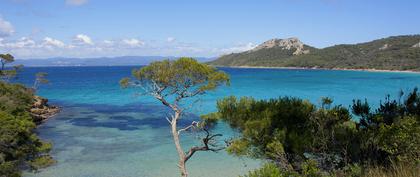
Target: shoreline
(41, 111)
(317, 68)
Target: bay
(104, 131)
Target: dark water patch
(115, 109)
(142, 108)
(91, 122)
(128, 123)
(65, 118)
(121, 117)
(91, 116)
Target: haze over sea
(104, 131)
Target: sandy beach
(317, 68)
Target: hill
(392, 53)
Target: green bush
(327, 140)
(19, 145)
(270, 170)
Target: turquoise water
(104, 131)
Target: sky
(196, 28)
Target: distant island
(98, 61)
(400, 53)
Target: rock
(41, 111)
(386, 46)
(285, 44)
(416, 45)
(39, 102)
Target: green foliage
(209, 120)
(310, 169)
(5, 73)
(15, 98)
(312, 141)
(181, 73)
(40, 78)
(5, 59)
(19, 146)
(270, 170)
(41, 162)
(282, 129)
(173, 81)
(352, 170)
(401, 140)
(391, 132)
(399, 55)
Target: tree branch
(194, 123)
(207, 146)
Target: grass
(396, 170)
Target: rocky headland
(41, 110)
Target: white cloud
(53, 42)
(108, 42)
(171, 39)
(76, 2)
(6, 28)
(23, 42)
(82, 39)
(133, 42)
(82, 46)
(238, 48)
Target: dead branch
(207, 145)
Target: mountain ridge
(391, 53)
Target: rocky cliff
(41, 110)
(284, 44)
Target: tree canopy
(300, 138)
(172, 81)
(183, 78)
(7, 73)
(19, 145)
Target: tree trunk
(181, 153)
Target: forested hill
(392, 53)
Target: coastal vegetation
(175, 84)
(20, 148)
(392, 53)
(298, 138)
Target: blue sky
(93, 28)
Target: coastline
(41, 111)
(317, 68)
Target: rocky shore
(41, 110)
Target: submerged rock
(41, 111)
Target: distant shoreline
(316, 68)
(255, 67)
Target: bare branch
(170, 121)
(207, 145)
(193, 124)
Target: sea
(106, 131)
